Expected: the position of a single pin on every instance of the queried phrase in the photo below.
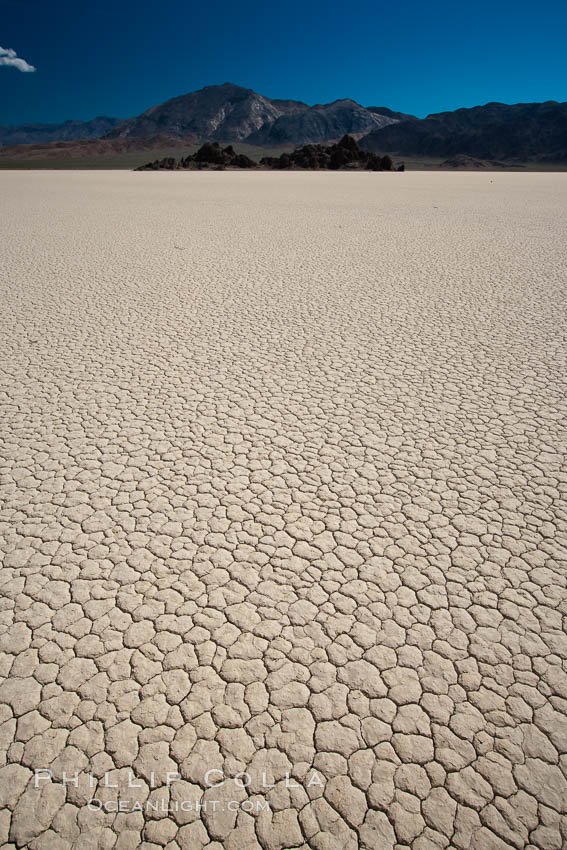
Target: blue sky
(119, 58)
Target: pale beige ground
(282, 490)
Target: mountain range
(522, 132)
(69, 131)
(230, 113)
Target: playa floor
(281, 479)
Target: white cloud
(10, 58)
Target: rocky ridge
(320, 123)
(496, 131)
(210, 155)
(346, 154)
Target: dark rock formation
(210, 156)
(211, 153)
(346, 154)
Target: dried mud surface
(282, 493)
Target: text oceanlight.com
(161, 806)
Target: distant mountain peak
(225, 112)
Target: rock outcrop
(344, 154)
(210, 155)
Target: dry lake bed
(283, 516)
